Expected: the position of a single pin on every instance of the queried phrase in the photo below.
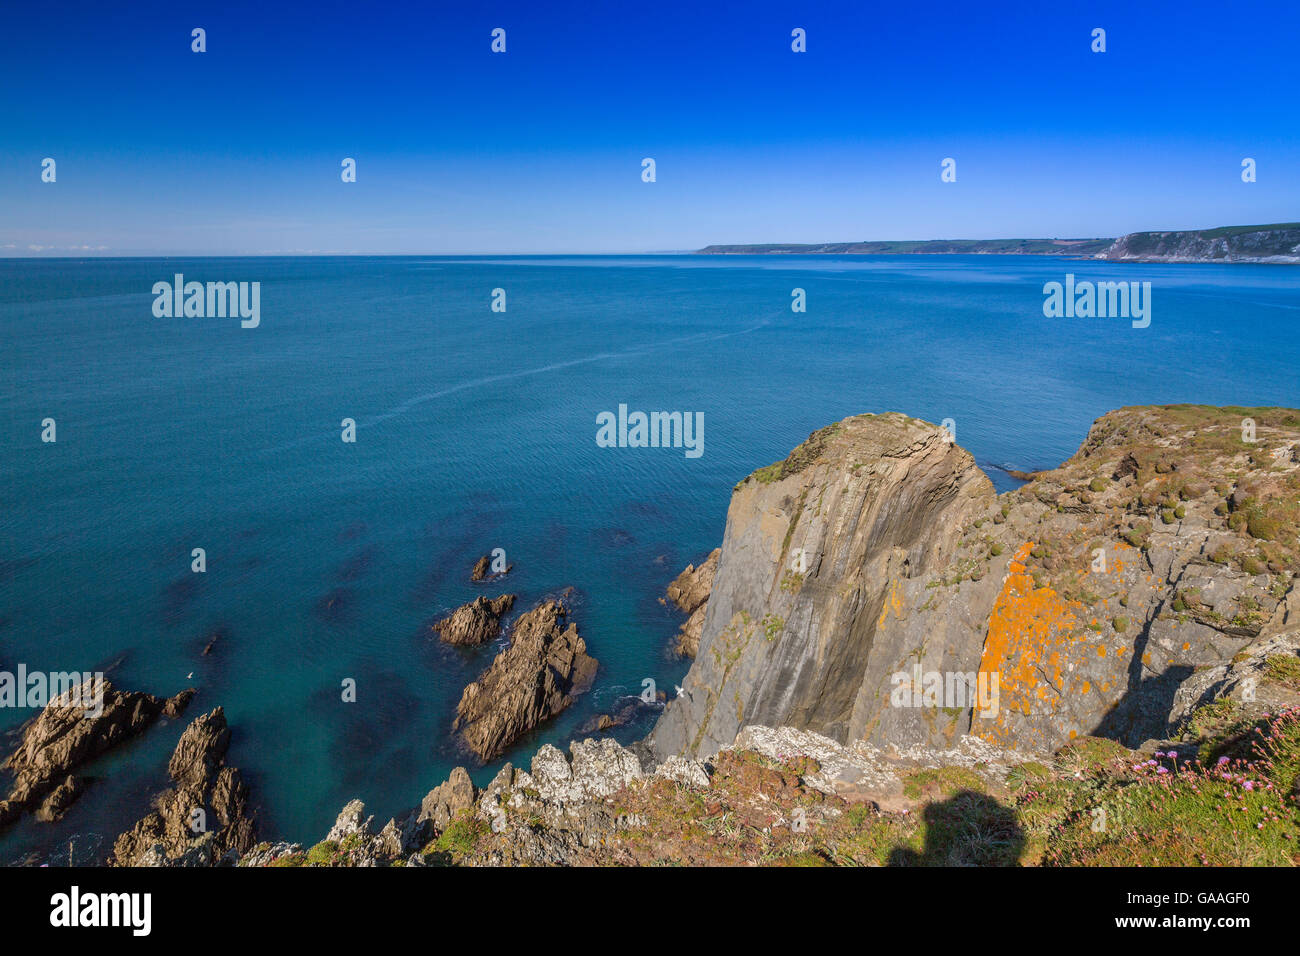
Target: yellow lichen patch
(1031, 632)
(893, 602)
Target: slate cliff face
(816, 552)
(1163, 547)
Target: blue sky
(459, 150)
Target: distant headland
(1274, 243)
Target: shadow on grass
(967, 829)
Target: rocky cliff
(816, 551)
(1127, 622)
(1277, 243)
(873, 588)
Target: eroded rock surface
(923, 609)
(482, 570)
(205, 819)
(690, 592)
(474, 623)
(532, 680)
(74, 728)
(817, 552)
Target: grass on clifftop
(803, 455)
(1238, 805)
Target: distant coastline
(1277, 243)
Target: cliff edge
(872, 587)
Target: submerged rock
(532, 680)
(474, 623)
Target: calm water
(476, 430)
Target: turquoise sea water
(477, 430)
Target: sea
(327, 560)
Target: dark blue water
(476, 430)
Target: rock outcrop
(482, 570)
(1249, 681)
(690, 592)
(205, 818)
(817, 553)
(600, 804)
(474, 623)
(441, 804)
(78, 725)
(532, 680)
(872, 588)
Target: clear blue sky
(238, 150)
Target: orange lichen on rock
(893, 602)
(1030, 632)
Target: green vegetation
(322, 854)
(457, 840)
(799, 459)
(1283, 669)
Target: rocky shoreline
(1133, 610)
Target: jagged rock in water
(483, 570)
(76, 726)
(690, 592)
(474, 623)
(532, 680)
(205, 818)
(871, 587)
(59, 799)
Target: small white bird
(190, 675)
(678, 688)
